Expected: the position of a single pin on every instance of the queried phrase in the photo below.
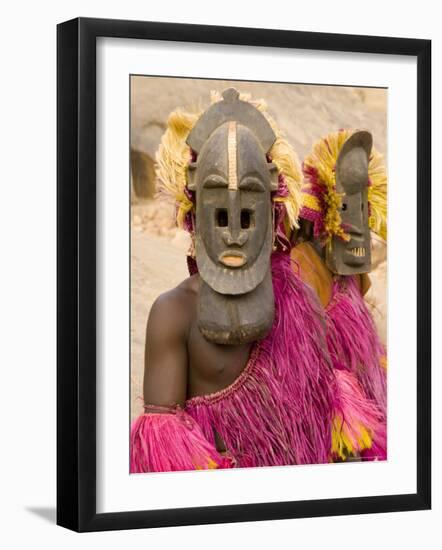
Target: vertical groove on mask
(231, 149)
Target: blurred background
(303, 112)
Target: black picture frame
(76, 273)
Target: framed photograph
(244, 248)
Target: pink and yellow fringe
(347, 315)
(171, 442)
(358, 426)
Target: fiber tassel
(353, 341)
(171, 442)
(358, 426)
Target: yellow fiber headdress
(320, 201)
(174, 155)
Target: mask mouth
(358, 252)
(355, 247)
(355, 256)
(233, 259)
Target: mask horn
(352, 162)
(228, 109)
(362, 139)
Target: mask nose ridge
(233, 234)
(238, 238)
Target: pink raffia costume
(342, 213)
(289, 405)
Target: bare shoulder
(172, 311)
(178, 297)
(165, 359)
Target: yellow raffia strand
(173, 157)
(311, 202)
(383, 362)
(212, 465)
(323, 159)
(342, 440)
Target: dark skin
(179, 362)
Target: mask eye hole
(222, 217)
(362, 207)
(344, 207)
(246, 219)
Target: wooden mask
(233, 182)
(353, 256)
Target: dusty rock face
(143, 175)
(304, 112)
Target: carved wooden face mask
(354, 256)
(234, 235)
